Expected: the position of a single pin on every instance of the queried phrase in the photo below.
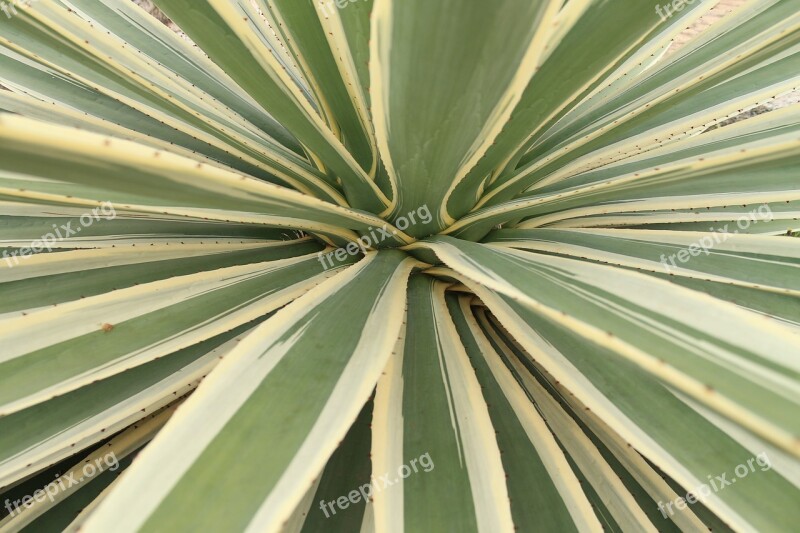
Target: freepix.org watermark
(365, 491)
(60, 232)
(670, 8)
(372, 238)
(63, 483)
(716, 484)
(717, 236)
(327, 6)
(9, 7)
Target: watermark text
(365, 491)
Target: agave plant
(424, 265)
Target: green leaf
(746, 260)
(470, 64)
(88, 339)
(709, 350)
(544, 495)
(271, 368)
(226, 33)
(429, 409)
(52, 430)
(674, 437)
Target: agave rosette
(565, 329)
